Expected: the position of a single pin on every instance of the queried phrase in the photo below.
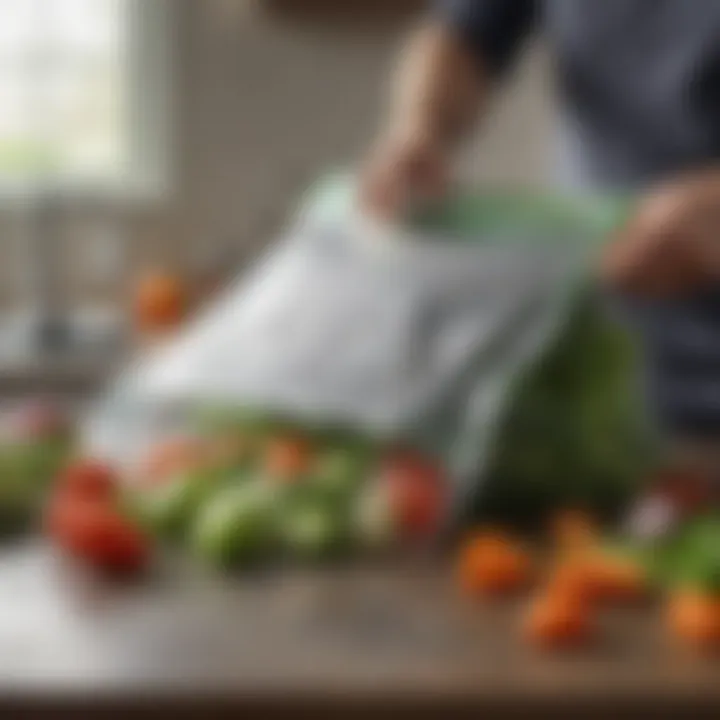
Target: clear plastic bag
(400, 334)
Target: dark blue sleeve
(493, 29)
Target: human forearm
(439, 87)
(670, 246)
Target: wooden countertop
(358, 640)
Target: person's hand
(406, 166)
(671, 245)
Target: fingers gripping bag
(468, 346)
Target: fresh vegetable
(693, 618)
(492, 563)
(555, 621)
(688, 556)
(373, 520)
(160, 301)
(237, 524)
(239, 493)
(95, 531)
(287, 458)
(84, 517)
(169, 508)
(573, 531)
(230, 451)
(313, 530)
(19, 498)
(573, 577)
(600, 578)
(574, 432)
(336, 473)
(34, 445)
(618, 579)
(417, 494)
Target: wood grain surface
(351, 640)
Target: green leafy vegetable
(575, 431)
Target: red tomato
(88, 478)
(418, 495)
(93, 530)
(287, 458)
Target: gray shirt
(639, 84)
(639, 80)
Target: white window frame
(153, 40)
(149, 75)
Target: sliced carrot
(693, 618)
(556, 621)
(573, 531)
(596, 577)
(287, 458)
(493, 564)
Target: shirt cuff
(493, 30)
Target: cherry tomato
(418, 495)
(94, 531)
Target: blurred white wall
(262, 108)
(515, 146)
(269, 107)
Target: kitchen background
(180, 133)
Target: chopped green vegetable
(337, 473)
(313, 531)
(575, 431)
(237, 524)
(169, 507)
(373, 519)
(689, 557)
(26, 470)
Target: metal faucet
(50, 327)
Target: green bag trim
(475, 213)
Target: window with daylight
(83, 89)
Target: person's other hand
(406, 166)
(671, 245)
